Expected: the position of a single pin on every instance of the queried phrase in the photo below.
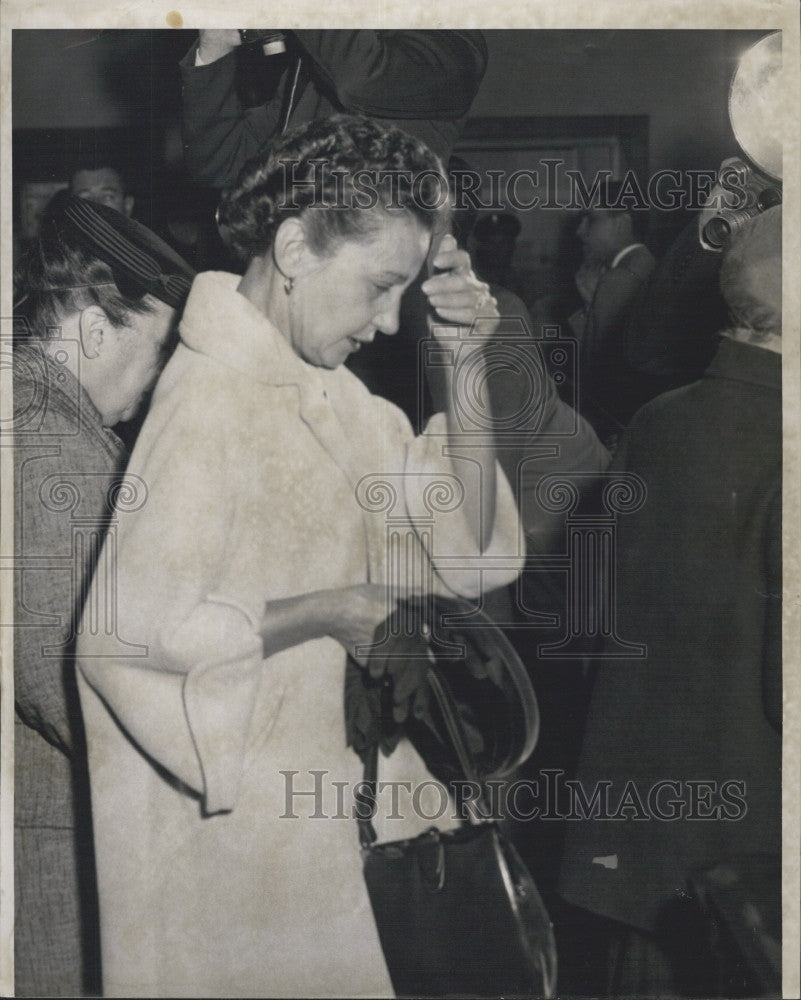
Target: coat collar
(224, 325)
(48, 387)
(746, 363)
(625, 252)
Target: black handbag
(488, 688)
(457, 912)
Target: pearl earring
(289, 284)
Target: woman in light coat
(215, 640)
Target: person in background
(103, 184)
(699, 583)
(422, 81)
(615, 268)
(99, 296)
(494, 238)
(675, 323)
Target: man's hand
(215, 43)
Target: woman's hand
(356, 612)
(348, 614)
(456, 294)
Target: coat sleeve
(399, 74)
(540, 435)
(187, 699)
(387, 74)
(60, 486)
(219, 135)
(42, 679)
(435, 484)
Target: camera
(272, 42)
(740, 193)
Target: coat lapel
(224, 325)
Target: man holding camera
(422, 81)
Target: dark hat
(497, 224)
(140, 261)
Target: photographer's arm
(399, 74)
(543, 434)
(388, 74)
(219, 134)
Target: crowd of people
(194, 567)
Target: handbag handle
(367, 800)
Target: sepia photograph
(400, 502)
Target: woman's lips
(356, 342)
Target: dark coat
(699, 584)
(674, 326)
(422, 81)
(608, 388)
(608, 310)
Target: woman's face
(341, 301)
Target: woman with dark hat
(222, 781)
(99, 299)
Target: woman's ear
(94, 327)
(290, 249)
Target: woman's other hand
(348, 614)
(456, 294)
(356, 612)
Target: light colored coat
(251, 458)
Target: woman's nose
(388, 320)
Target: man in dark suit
(689, 736)
(616, 266)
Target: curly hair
(751, 277)
(54, 279)
(339, 173)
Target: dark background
(660, 95)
